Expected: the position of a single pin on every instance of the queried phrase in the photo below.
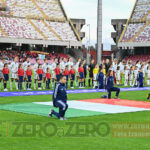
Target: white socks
(11, 84)
(43, 85)
(35, 86)
(24, 86)
(16, 83)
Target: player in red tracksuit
(40, 76)
(81, 75)
(6, 76)
(29, 77)
(57, 73)
(48, 78)
(66, 73)
(20, 76)
(72, 76)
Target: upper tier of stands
(138, 27)
(40, 8)
(37, 20)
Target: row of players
(22, 73)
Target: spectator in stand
(53, 53)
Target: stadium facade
(37, 22)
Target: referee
(91, 68)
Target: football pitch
(20, 130)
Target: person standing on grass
(81, 75)
(60, 99)
(53, 66)
(95, 73)
(20, 76)
(100, 78)
(29, 78)
(35, 68)
(25, 67)
(40, 76)
(57, 73)
(85, 72)
(14, 68)
(66, 73)
(110, 85)
(72, 76)
(45, 66)
(76, 68)
(91, 67)
(1, 70)
(140, 78)
(6, 76)
(48, 78)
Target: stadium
(57, 94)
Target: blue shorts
(29, 79)
(81, 75)
(6, 77)
(72, 77)
(67, 77)
(40, 77)
(57, 78)
(20, 78)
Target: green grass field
(79, 139)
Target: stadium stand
(10, 55)
(40, 20)
(137, 30)
(135, 58)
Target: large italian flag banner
(81, 108)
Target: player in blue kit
(110, 85)
(60, 99)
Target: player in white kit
(118, 75)
(76, 68)
(53, 66)
(14, 69)
(126, 76)
(1, 69)
(136, 71)
(25, 67)
(35, 67)
(148, 75)
(62, 65)
(44, 67)
(70, 63)
(131, 75)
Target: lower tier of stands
(134, 58)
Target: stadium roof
(137, 30)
